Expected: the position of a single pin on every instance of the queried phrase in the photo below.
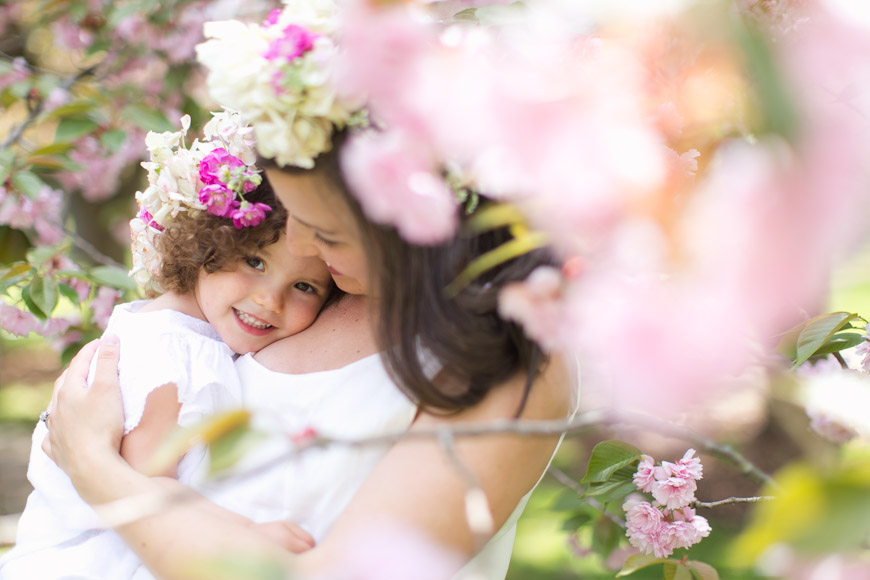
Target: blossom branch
(722, 451)
(35, 111)
(731, 501)
(90, 249)
(568, 482)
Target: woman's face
(320, 224)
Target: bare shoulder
(552, 396)
(341, 334)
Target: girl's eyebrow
(313, 227)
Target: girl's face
(268, 297)
(320, 224)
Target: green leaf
(576, 521)
(606, 536)
(7, 157)
(637, 561)
(608, 457)
(568, 500)
(207, 431)
(676, 571)
(113, 140)
(702, 570)
(69, 293)
(505, 252)
(16, 270)
(77, 108)
(112, 276)
(27, 183)
(39, 255)
(226, 451)
(494, 216)
(612, 490)
(31, 305)
(72, 128)
(43, 293)
(818, 331)
(840, 341)
(52, 149)
(146, 118)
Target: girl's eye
(324, 241)
(255, 263)
(305, 287)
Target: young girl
(229, 286)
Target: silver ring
(44, 417)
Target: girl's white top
(59, 535)
(312, 489)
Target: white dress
(59, 535)
(355, 401)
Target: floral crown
(280, 75)
(211, 175)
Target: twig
(731, 500)
(841, 360)
(91, 250)
(15, 134)
(478, 514)
(568, 482)
(724, 452)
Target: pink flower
(394, 178)
(688, 467)
(215, 166)
(272, 18)
(643, 517)
(218, 200)
(17, 321)
(103, 304)
(674, 492)
(249, 214)
(295, 42)
(644, 477)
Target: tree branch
(16, 133)
(731, 501)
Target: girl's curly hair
(206, 242)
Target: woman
(455, 358)
(394, 303)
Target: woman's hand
(83, 422)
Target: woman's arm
(414, 484)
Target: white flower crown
(279, 74)
(212, 175)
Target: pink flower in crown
(218, 200)
(216, 166)
(272, 18)
(249, 214)
(675, 492)
(294, 42)
(146, 217)
(644, 477)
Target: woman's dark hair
(477, 348)
(211, 243)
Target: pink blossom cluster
(225, 176)
(41, 214)
(668, 523)
(90, 153)
(22, 323)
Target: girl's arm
(159, 418)
(414, 483)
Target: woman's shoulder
(342, 334)
(553, 395)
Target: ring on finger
(44, 417)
